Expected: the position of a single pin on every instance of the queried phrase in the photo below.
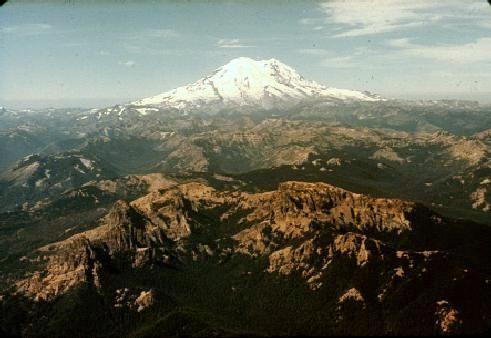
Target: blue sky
(97, 53)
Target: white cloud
(158, 33)
(128, 63)
(369, 17)
(486, 25)
(378, 29)
(339, 62)
(150, 36)
(147, 41)
(72, 44)
(26, 29)
(156, 50)
(313, 51)
(231, 43)
(328, 59)
(311, 21)
(472, 52)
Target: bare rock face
(312, 258)
(149, 230)
(298, 208)
(132, 300)
(480, 198)
(297, 205)
(358, 247)
(169, 211)
(68, 265)
(448, 318)
(290, 259)
(351, 295)
(326, 236)
(145, 300)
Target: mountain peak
(245, 66)
(245, 60)
(241, 59)
(244, 81)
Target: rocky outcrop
(312, 258)
(146, 231)
(358, 247)
(334, 240)
(448, 318)
(351, 295)
(299, 208)
(480, 199)
(150, 229)
(128, 299)
(296, 206)
(67, 265)
(145, 300)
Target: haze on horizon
(93, 54)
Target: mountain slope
(247, 82)
(36, 177)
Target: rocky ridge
(302, 228)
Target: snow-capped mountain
(247, 82)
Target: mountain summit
(247, 82)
